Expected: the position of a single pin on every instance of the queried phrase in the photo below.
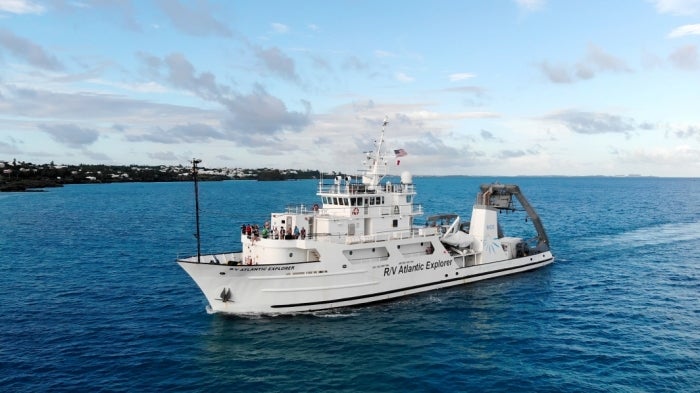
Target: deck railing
(362, 189)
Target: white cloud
(685, 30)
(477, 115)
(684, 132)
(20, 7)
(28, 51)
(70, 134)
(277, 62)
(402, 77)
(196, 19)
(530, 5)
(590, 123)
(280, 28)
(7, 148)
(167, 156)
(604, 61)
(678, 7)
(680, 155)
(686, 58)
(382, 54)
(595, 61)
(141, 87)
(460, 76)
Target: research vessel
(363, 243)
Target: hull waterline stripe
(546, 261)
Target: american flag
(400, 152)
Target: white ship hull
(313, 286)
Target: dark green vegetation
(23, 176)
(266, 174)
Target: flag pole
(196, 206)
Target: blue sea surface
(91, 298)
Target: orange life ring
(355, 211)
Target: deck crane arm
(500, 196)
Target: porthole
(350, 252)
(290, 254)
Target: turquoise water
(93, 300)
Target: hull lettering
(417, 267)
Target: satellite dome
(406, 178)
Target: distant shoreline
(23, 176)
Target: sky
(483, 88)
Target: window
(395, 223)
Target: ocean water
(92, 300)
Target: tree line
(24, 176)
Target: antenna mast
(374, 171)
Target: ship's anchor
(225, 295)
